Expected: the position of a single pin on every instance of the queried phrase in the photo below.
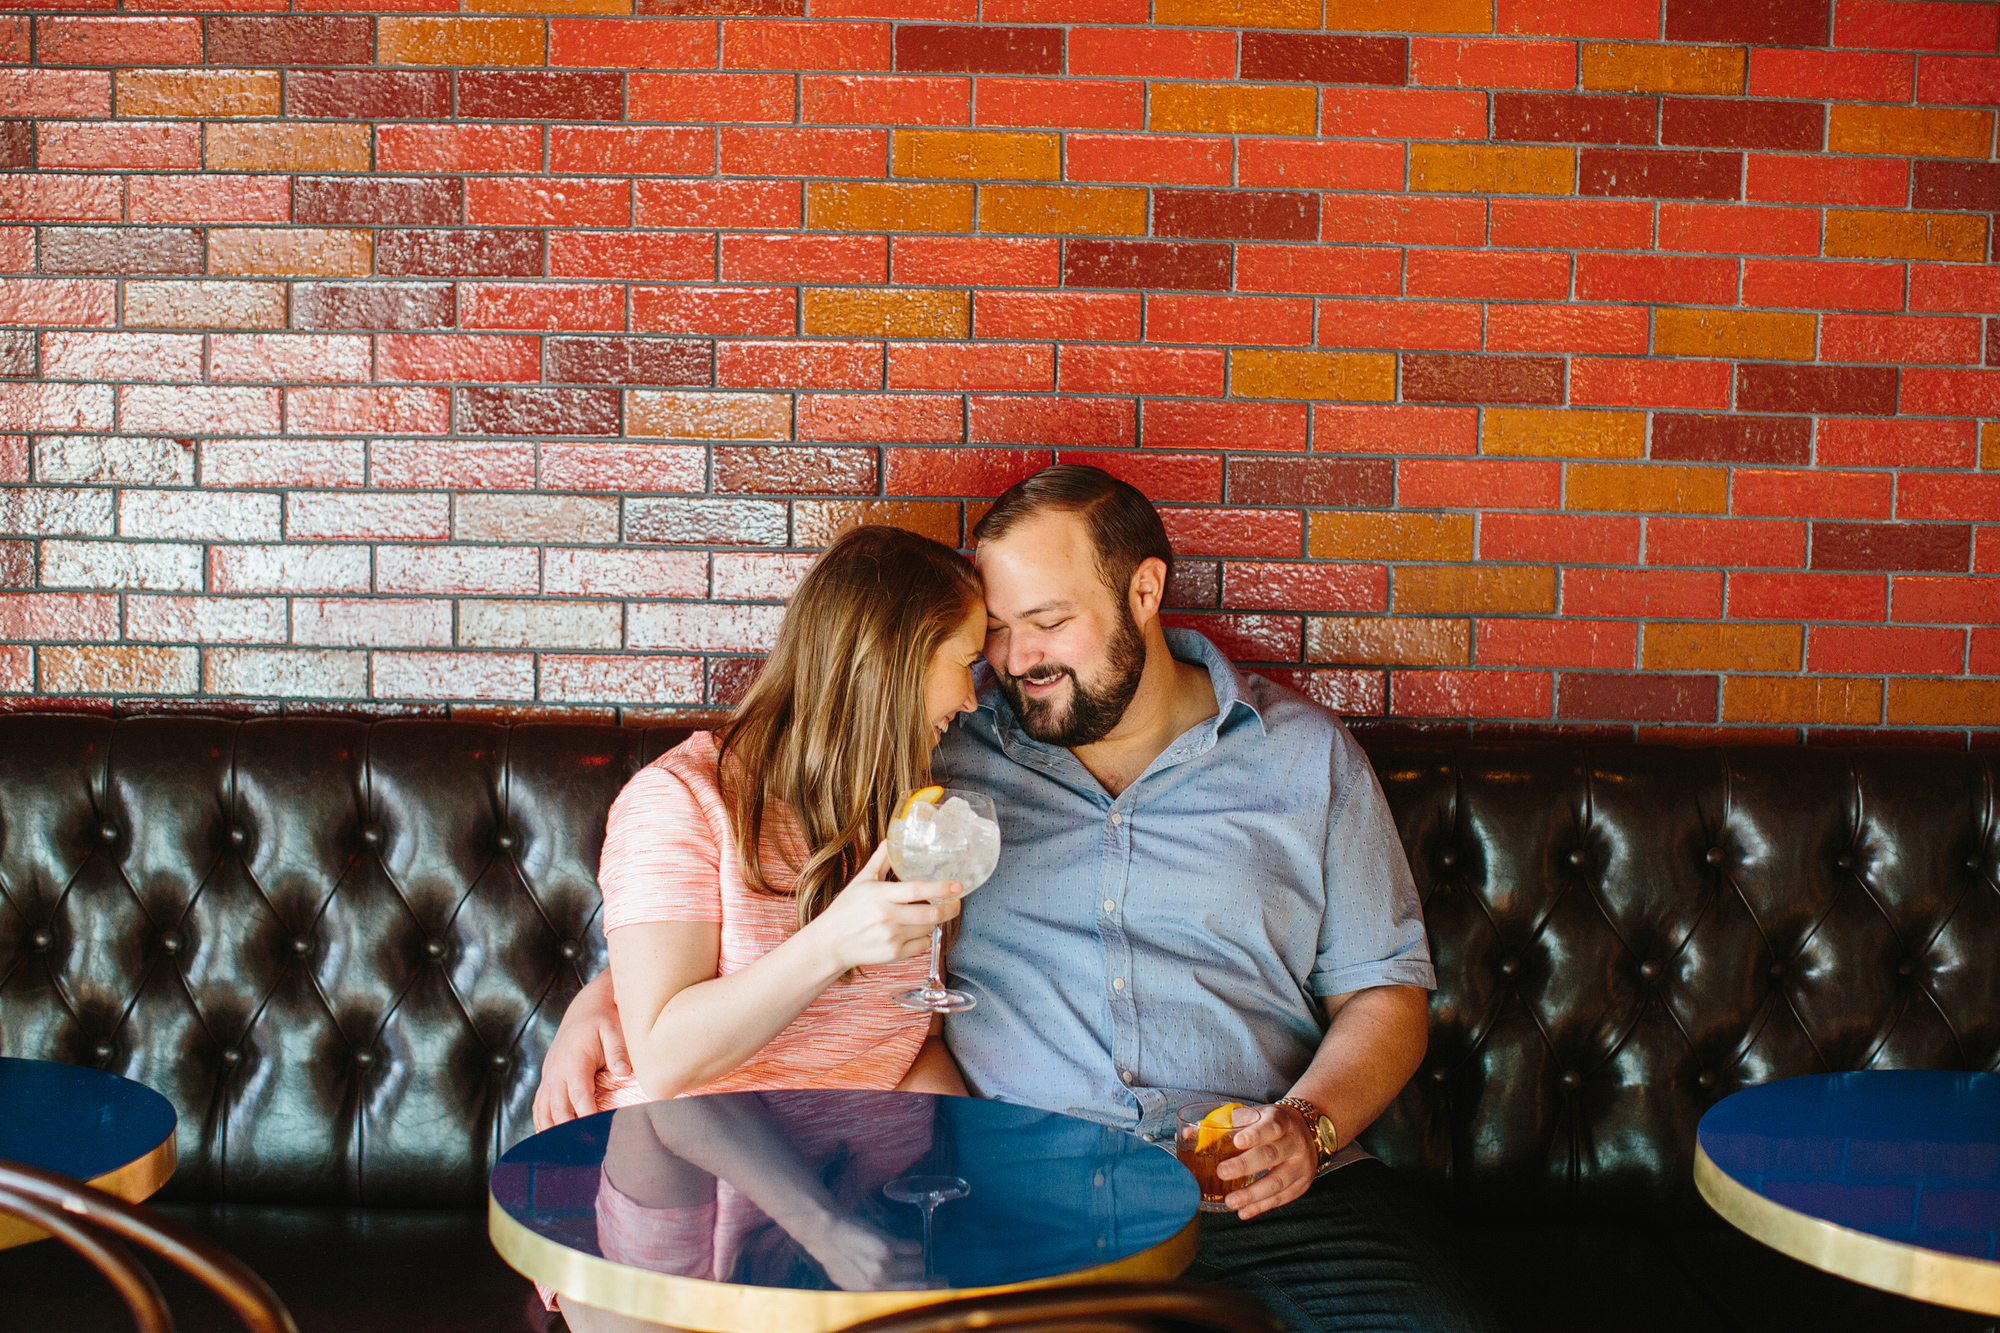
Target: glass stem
(937, 959)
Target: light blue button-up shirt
(1132, 955)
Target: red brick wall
(1603, 364)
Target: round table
(745, 1212)
(92, 1126)
(1885, 1177)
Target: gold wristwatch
(1326, 1139)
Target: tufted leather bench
(341, 948)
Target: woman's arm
(934, 1070)
(587, 1040)
(685, 1026)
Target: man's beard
(1091, 713)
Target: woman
(754, 941)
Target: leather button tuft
(1572, 1080)
(569, 950)
(103, 1050)
(1509, 966)
(1576, 858)
(1972, 863)
(1714, 856)
(499, 1061)
(505, 842)
(371, 835)
(1649, 970)
(170, 942)
(1448, 860)
(364, 1058)
(1904, 968)
(435, 948)
(232, 1056)
(1706, 1079)
(301, 944)
(40, 940)
(1777, 969)
(237, 837)
(1844, 861)
(107, 833)
(1440, 1076)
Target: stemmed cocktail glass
(943, 833)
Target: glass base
(1215, 1206)
(936, 1000)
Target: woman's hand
(588, 1039)
(874, 920)
(858, 1257)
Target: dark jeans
(1361, 1252)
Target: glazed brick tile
(1569, 224)
(876, 99)
(376, 200)
(1657, 278)
(881, 418)
(1698, 647)
(1025, 367)
(1820, 389)
(1971, 185)
(663, 361)
(363, 305)
(1661, 594)
(1470, 694)
(658, 257)
(710, 97)
(60, 92)
(1229, 320)
(1294, 57)
(985, 262)
(1649, 697)
(1952, 392)
(1798, 493)
(1659, 173)
(1165, 478)
(1302, 163)
(1091, 422)
(197, 305)
(1732, 439)
(1970, 288)
(147, 250)
(995, 49)
(1255, 373)
(1885, 650)
(796, 470)
(96, 146)
(1060, 103)
(622, 44)
(1724, 542)
(198, 92)
(561, 201)
(1482, 379)
(1938, 496)
(804, 152)
(1496, 169)
(1922, 131)
(1414, 113)
(449, 358)
(368, 94)
(1777, 23)
(1143, 370)
(975, 472)
(1897, 442)
(288, 41)
(1492, 63)
(1400, 429)
(39, 198)
(1556, 643)
(1961, 79)
(1415, 325)
(551, 307)
(538, 411)
(1198, 108)
(1817, 285)
(706, 416)
(469, 253)
(1283, 586)
(363, 411)
(1742, 123)
(1170, 424)
(1817, 596)
(1248, 533)
(762, 311)
(799, 365)
(1793, 178)
(1571, 539)
(458, 148)
(1246, 638)
(1572, 18)
(652, 151)
(1067, 11)
(541, 95)
(1402, 220)
(277, 358)
(1165, 53)
(1501, 274)
(1319, 270)
(459, 41)
(1848, 76)
(118, 41)
(121, 356)
(1897, 547)
(17, 146)
(1172, 265)
(1235, 215)
(1331, 482)
(1936, 601)
(697, 203)
(1575, 118)
(1566, 328)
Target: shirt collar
(1232, 691)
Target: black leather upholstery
(341, 947)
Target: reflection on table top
(112, 1132)
(1903, 1165)
(826, 1191)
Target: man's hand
(589, 1039)
(1278, 1144)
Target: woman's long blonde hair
(835, 726)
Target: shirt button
(1110, 906)
(1116, 819)
(1097, 1179)
(1117, 983)
(1126, 1075)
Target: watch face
(1323, 1135)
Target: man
(1201, 895)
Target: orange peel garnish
(928, 795)
(1216, 1125)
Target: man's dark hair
(1124, 527)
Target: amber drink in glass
(1203, 1148)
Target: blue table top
(1906, 1155)
(80, 1122)
(689, 1187)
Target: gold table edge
(1959, 1281)
(724, 1307)
(134, 1182)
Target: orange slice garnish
(1215, 1126)
(927, 795)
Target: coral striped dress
(669, 855)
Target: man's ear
(1149, 588)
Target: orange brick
(296, 252)
(1409, 15)
(1801, 699)
(213, 93)
(204, 305)
(966, 155)
(1723, 647)
(1947, 703)
(1748, 335)
(872, 206)
(1237, 13)
(287, 148)
(1342, 376)
(1080, 210)
(440, 41)
(1546, 433)
(1480, 169)
(1473, 588)
(899, 313)
(709, 416)
(1909, 131)
(1647, 488)
(1388, 641)
(1620, 67)
(1873, 234)
(817, 522)
(1361, 536)
(548, 6)
(1989, 445)
(120, 671)
(1224, 108)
